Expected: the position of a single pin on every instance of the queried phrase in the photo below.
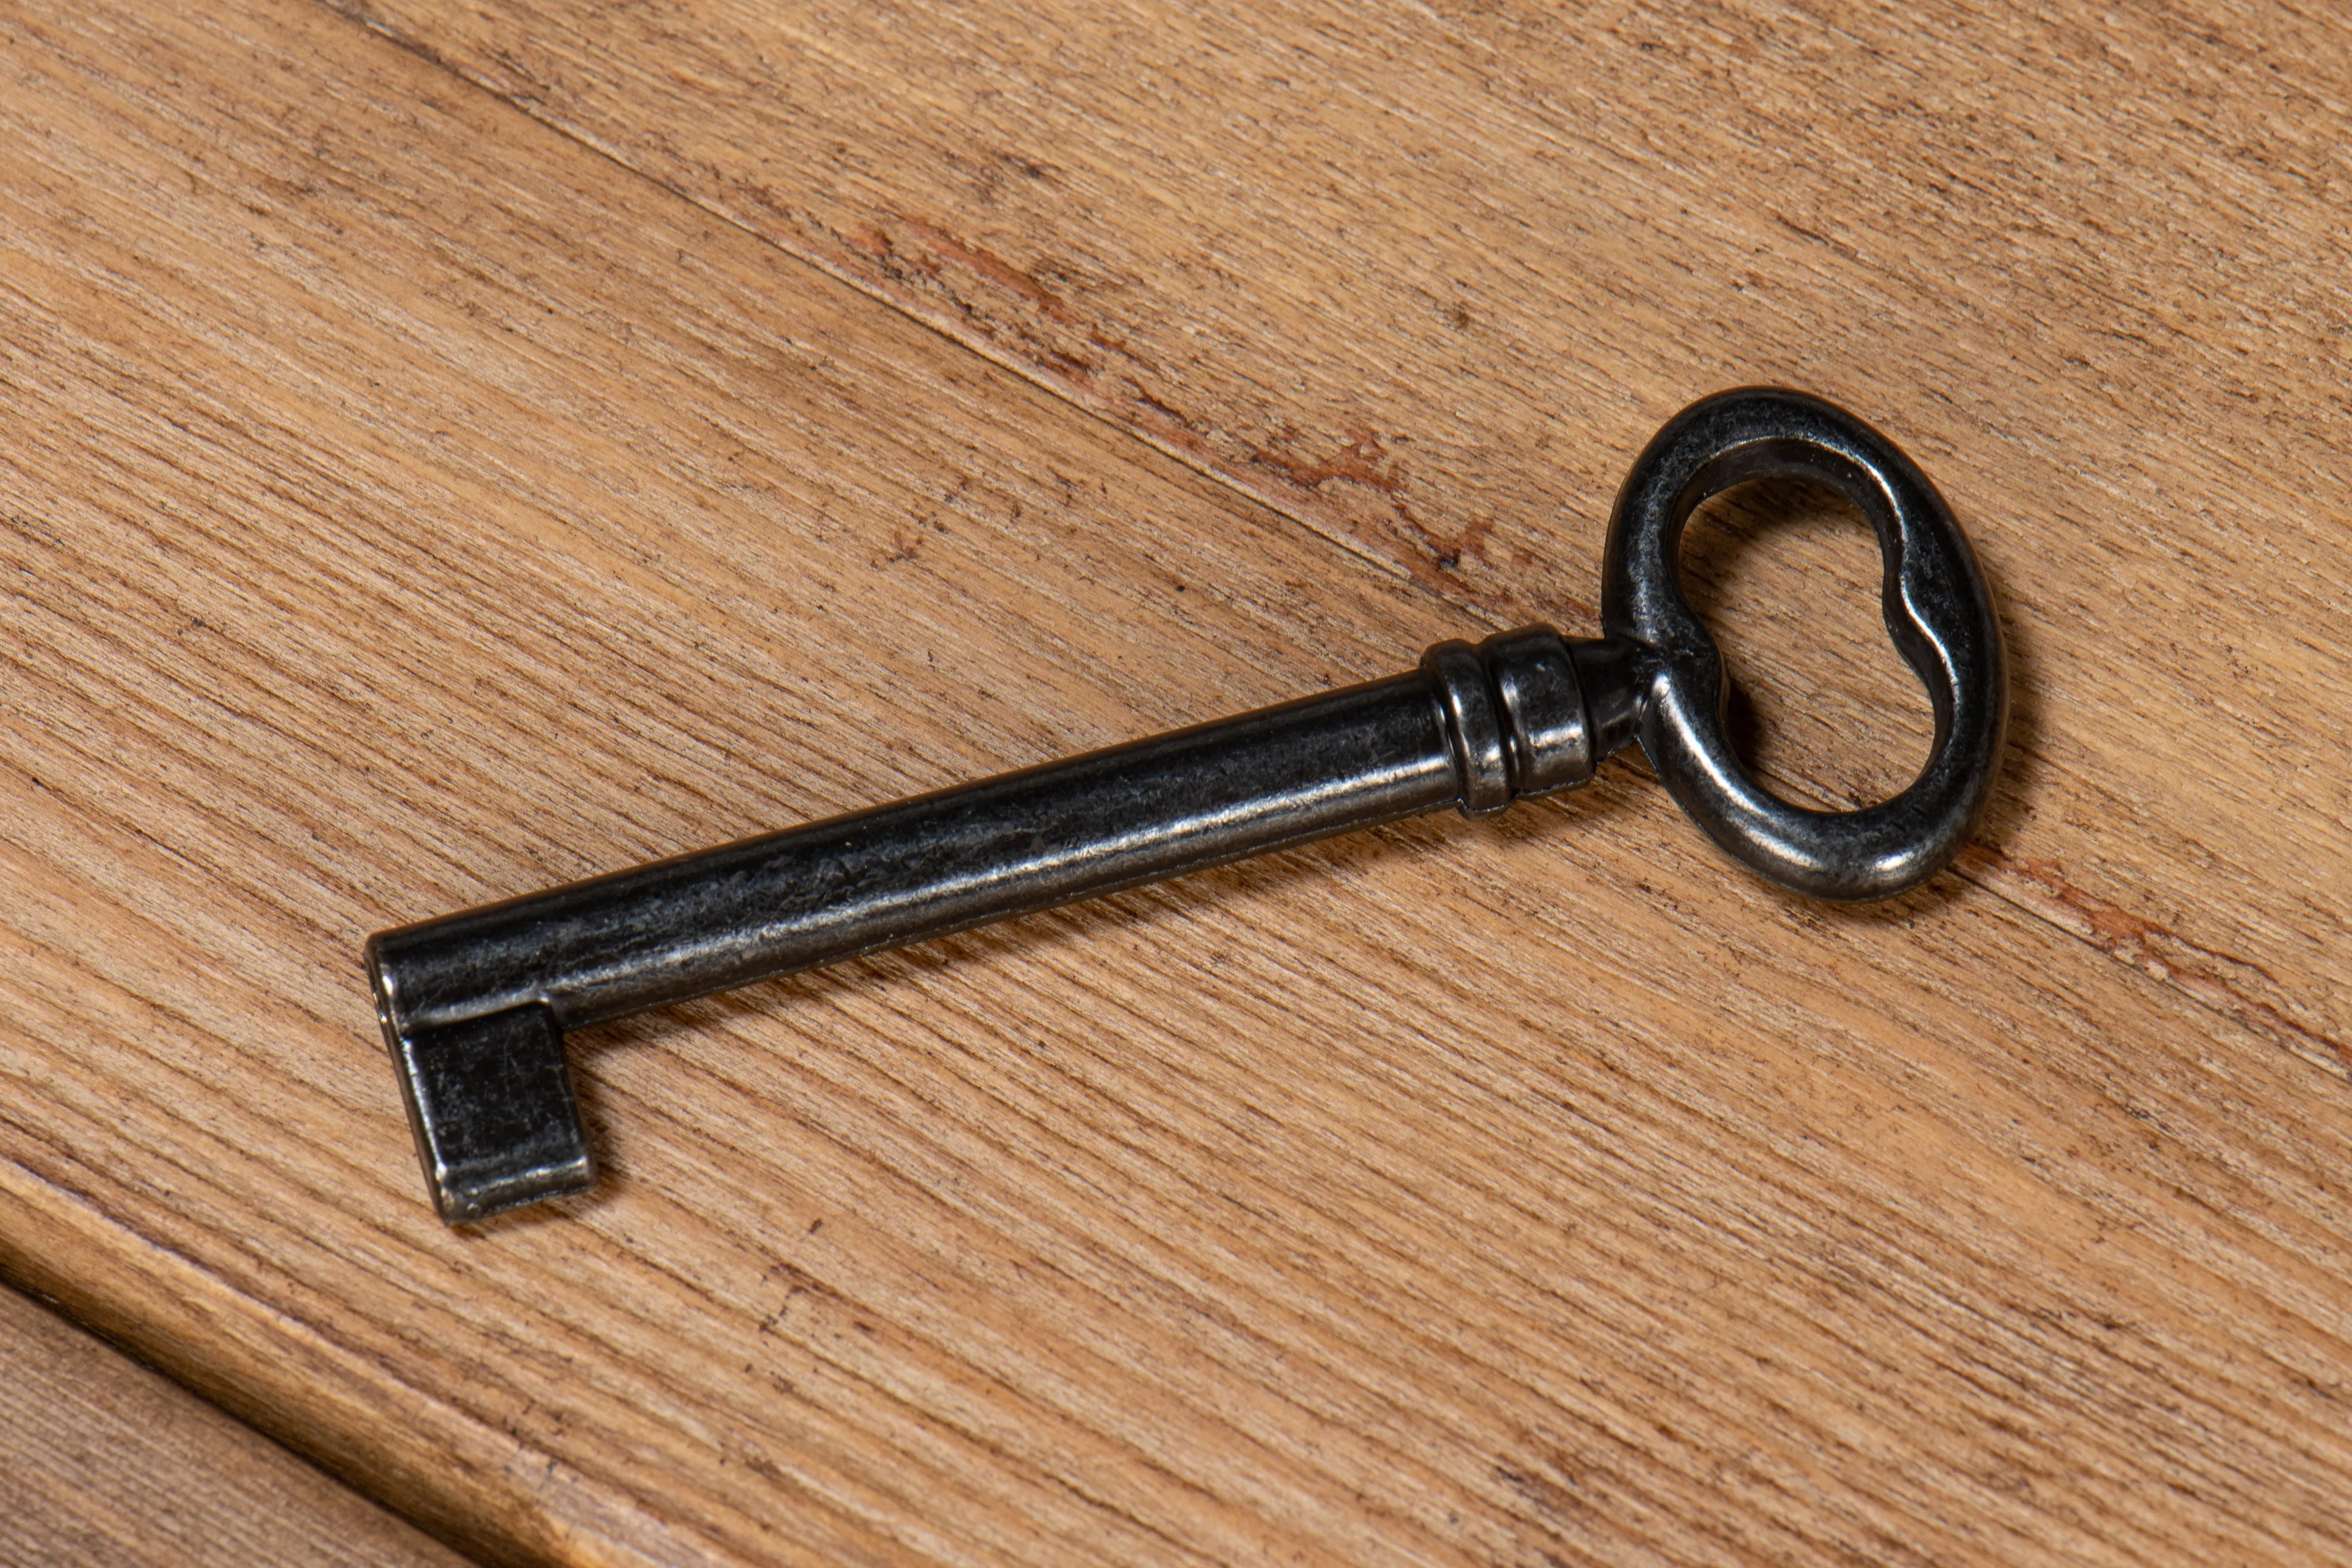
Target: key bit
(475, 1006)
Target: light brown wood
(103, 1462)
(1414, 274)
(407, 506)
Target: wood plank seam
(104, 1462)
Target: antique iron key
(475, 1006)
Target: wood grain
(103, 1462)
(406, 507)
(1408, 274)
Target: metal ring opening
(1936, 609)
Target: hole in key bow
(1786, 572)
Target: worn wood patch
(406, 507)
(1412, 275)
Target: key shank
(475, 1006)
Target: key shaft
(474, 1005)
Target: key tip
(490, 1100)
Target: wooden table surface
(447, 450)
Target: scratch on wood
(1446, 550)
(2042, 886)
(1360, 460)
(986, 264)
